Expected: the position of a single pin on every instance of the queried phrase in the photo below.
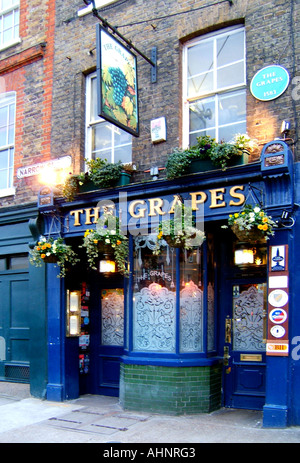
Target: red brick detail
(22, 59)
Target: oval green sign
(269, 83)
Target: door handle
(228, 330)
(226, 356)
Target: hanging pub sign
(269, 83)
(117, 82)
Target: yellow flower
(95, 241)
(43, 256)
(265, 219)
(265, 227)
(118, 242)
(44, 247)
(38, 248)
(261, 214)
(260, 227)
(48, 245)
(236, 215)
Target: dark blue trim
(172, 362)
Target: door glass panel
(249, 317)
(154, 302)
(112, 317)
(191, 301)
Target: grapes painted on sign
(117, 82)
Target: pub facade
(205, 319)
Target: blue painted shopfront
(249, 377)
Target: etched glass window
(154, 302)
(191, 301)
(249, 317)
(112, 317)
(215, 86)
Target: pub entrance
(242, 302)
(100, 343)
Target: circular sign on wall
(278, 298)
(269, 83)
(278, 316)
(277, 331)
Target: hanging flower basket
(248, 235)
(107, 239)
(50, 251)
(50, 259)
(180, 231)
(251, 224)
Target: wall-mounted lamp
(243, 256)
(285, 128)
(107, 266)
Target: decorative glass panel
(154, 303)
(248, 317)
(191, 314)
(112, 317)
(191, 301)
(154, 319)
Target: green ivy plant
(221, 154)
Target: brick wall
(269, 27)
(26, 68)
(51, 100)
(171, 390)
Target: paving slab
(99, 419)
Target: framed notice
(117, 82)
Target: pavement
(100, 419)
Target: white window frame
(15, 7)
(10, 190)
(98, 3)
(217, 92)
(91, 123)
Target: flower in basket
(107, 238)
(244, 143)
(180, 231)
(53, 251)
(251, 223)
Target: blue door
(106, 336)
(244, 346)
(14, 319)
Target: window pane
(202, 119)
(229, 76)
(2, 263)
(232, 107)
(200, 58)
(200, 69)
(94, 116)
(154, 309)
(19, 262)
(101, 142)
(123, 153)
(227, 133)
(191, 301)
(3, 179)
(4, 159)
(230, 48)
